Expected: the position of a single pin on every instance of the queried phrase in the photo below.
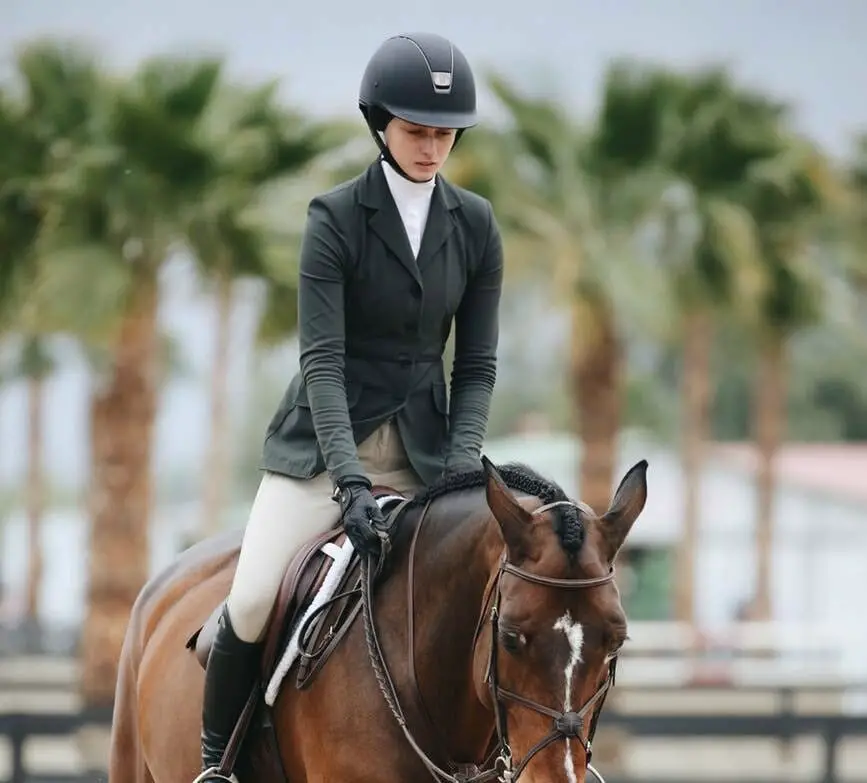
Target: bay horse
(484, 650)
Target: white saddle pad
(341, 555)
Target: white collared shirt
(413, 203)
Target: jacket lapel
(385, 220)
(440, 222)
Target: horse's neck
(457, 551)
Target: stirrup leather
(213, 774)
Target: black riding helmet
(422, 78)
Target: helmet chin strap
(388, 157)
(371, 119)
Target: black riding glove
(360, 513)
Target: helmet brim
(433, 119)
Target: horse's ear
(513, 518)
(628, 503)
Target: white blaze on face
(575, 636)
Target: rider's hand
(360, 513)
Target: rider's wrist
(353, 480)
(343, 486)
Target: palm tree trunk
(695, 428)
(769, 418)
(597, 384)
(122, 424)
(597, 369)
(35, 493)
(217, 458)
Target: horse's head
(556, 625)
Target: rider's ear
(513, 518)
(629, 500)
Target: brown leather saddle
(319, 638)
(302, 581)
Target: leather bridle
(566, 725)
(499, 765)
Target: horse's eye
(512, 641)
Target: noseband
(566, 725)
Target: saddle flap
(304, 577)
(202, 639)
(311, 614)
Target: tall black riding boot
(230, 674)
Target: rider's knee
(248, 613)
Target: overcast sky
(811, 53)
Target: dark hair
(567, 519)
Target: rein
(499, 765)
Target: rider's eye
(512, 641)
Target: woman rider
(389, 262)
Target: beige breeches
(288, 512)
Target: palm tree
(480, 162)
(114, 192)
(787, 196)
(715, 132)
(151, 171)
(258, 146)
(21, 152)
(727, 130)
(582, 202)
(17, 216)
(35, 364)
(707, 133)
(857, 177)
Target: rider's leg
(229, 677)
(286, 513)
(289, 512)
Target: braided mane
(567, 521)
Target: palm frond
(60, 82)
(80, 289)
(279, 317)
(728, 262)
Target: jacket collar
(374, 193)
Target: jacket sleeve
(323, 265)
(474, 371)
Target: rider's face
(419, 150)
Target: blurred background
(682, 190)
